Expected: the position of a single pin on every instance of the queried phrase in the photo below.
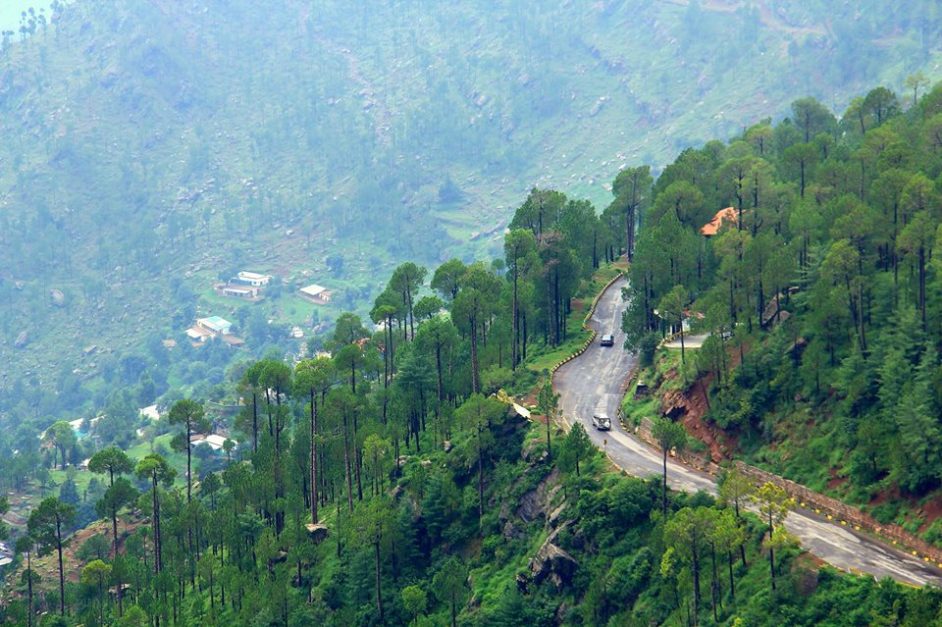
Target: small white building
(317, 294)
(198, 334)
(215, 325)
(236, 291)
(253, 278)
(213, 441)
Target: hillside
(153, 147)
(815, 304)
(389, 480)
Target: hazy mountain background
(151, 147)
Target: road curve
(595, 381)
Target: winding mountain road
(595, 382)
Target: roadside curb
(828, 508)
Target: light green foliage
(735, 488)
(414, 600)
(576, 447)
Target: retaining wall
(825, 506)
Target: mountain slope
(152, 146)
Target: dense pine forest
(820, 293)
(387, 481)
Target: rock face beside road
(595, 382)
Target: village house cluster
(245, 285)
(251, 287)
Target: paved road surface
(595, 382)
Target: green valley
(324, 145)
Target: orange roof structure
(712, 227)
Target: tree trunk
(695, 567)
(156, 525)
(358, 465)
(801, 164)
(254, 422)
(715, 591)
(771, 554)
(549, 443)
(346, 461)
(475, 382)
(61, 569)
(379, 592)
(313, 457)
(480, 479)
(29, 590)
(523, 344)
(189, 459)
(557, 325)
(664, 485)
(922, 285)
(515, 330)
(438, 370)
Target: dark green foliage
(823, 285)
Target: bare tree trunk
(346, 461)
(313, 457)
(61, 571)
(379, 592)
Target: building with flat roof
(215, 325)
(253, 278)
(317, 294)
(239, 291)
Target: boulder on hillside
(553, 563)
(21, 340)
(58, 298)
(317, 532)
(537, 503)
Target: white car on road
(601, 422)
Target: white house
(235, 291)
(215, 325)
(317, 294)
(213, 441)
(253, 278)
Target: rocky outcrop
(553, 564)
(318, 532)
(538, 502)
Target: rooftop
(313, 290)
(215, 323)
(253, 276)
(727, 215)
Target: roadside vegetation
(818, 293)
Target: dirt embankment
(690, 408)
